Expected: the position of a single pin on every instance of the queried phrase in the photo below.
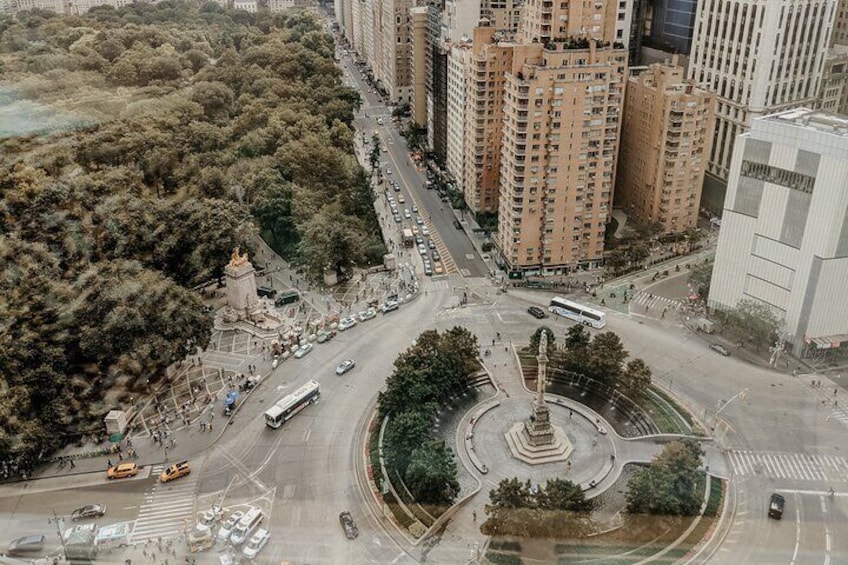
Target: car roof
(126, 466)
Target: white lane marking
(306, 435)
(797, 529)
(827, 546)
(823, 505)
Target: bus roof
(288, 401)
(573, 304)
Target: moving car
(414, 209)
(175, 471)
(401, 199)
(345, 366)
(419, 240)
(256, 543)
(431, 244)
(304, 349)
(245, 527)
(406, 214)
(438, 269)
(349, 526)
(266, 291)
(457, 225)
(210, 518)
(226, 529)
(428, 270)
(397, 218)
(346, 323)
(436, 256)
(719, 348)
(537, 312)
(27, 544)
(776, 505)
(419, 220)
(90, 511)
(422, 250)
(122, 471)
(425, 231)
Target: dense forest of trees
(199, 128)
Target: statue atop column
(537, 429)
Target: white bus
(290, 405)
(578, 312)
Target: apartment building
(784, 232)
(833, 96)
(391, 65)
(418, 22)
(459, 60)
(667, 132)
(840, 25)
(760, 57)
(562, 113)
(489, 61)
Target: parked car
(436, 256)
(428, 270)
(349, 526)
(776, 505)
(438, 269)
(226, 529)
(401, 199)
(431, 244)
(303, 350)
(425, 231)
(419, 221)
(346, 323)
(345, 366)
(719, 348)
(390, 305)
(122, 471)
(246, 526)
(256, 543)
(537, 312)
(397, 218)
(422, 250)
(266, 291)
(325, 335)
(419, 240)
(457, 224)
(397, 187)
(90, 511)
(27, 544)
(414, 209)
(367, 314)
(175, 471)
(406, 214)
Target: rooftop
(825, 122)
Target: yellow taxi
(437, 268)
(175, 471)
(122, 471)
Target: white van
(114, 537)
(245, 526)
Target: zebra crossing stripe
(790, 465)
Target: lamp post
(56, 520)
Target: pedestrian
(210, 426)
(474, 515)
(570, 414)
(71, 461)
(120, 457)
(108, 463)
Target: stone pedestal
(242, 300)
(538, 430)
(558, 449)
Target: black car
(720, 349)
(90, 511)
(457, 224)
(266, 291)
(349, 526)
(776, 505)
(537, 312)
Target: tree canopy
(668, 485)
(164, 136)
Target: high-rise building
(667, 131)
(562, 108)
(784, 232)
(459, 63)
(490, 60)
(392, 68)
(418, 22)
(840, 26)
(437, 84)
(833, 95)
(673, 23)
(760, 57)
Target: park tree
(577, 341)
(606, 358)
(431, 475)
(563, 495)
(701, 277)
(635, 381)
(668, 486)
(615, 261)
(374, 156)
(405, 432)
(751, 321)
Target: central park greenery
(197, 129)
(425, 377)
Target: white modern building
(784, 232)
(759, 57)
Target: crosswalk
(653, 302)
(167, 508)
(447, 259)
(829, 468)
(821, 396)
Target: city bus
(578, 312)
(290, 405)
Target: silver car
(226, 529)
(345, 366)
